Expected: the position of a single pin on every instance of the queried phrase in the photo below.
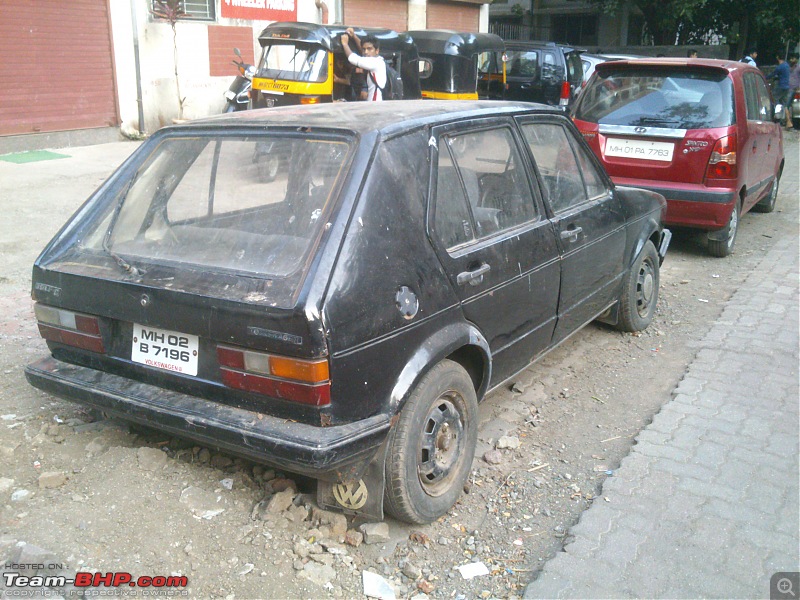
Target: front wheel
(431, 447)
(229, 107)
(722, 242)
(640, 291)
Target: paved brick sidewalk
(706, 504)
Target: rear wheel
(431, 447)
(767, 205)
(640, 291)
(721, 245)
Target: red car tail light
(293, 379)
(69, 328)
(565, 91)
(722, 164)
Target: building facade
(93, 64)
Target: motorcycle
(238, 94)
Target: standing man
(781, 90)
(371, 62)
(794, 85)
(750, 57)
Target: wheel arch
(462, 343)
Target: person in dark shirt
(780, 91)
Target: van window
(522, 63)
(650, 97)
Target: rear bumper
(332, 453)
(692, 205)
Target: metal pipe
(137, 68)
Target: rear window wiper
(657, 121)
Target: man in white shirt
(371, 62)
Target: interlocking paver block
(706, 504)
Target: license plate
(640, 149)
(167, 350)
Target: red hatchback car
(699, 132)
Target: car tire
(767, 205)
(430, 449)
(723, 247)
(268, 167)
(640, 291)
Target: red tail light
(296, 380)
(722, 164)
(565, 91)
(69, 328)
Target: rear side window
(674, 99)
(522, 63)
(481, 187)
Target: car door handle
(473, 277)
(572, 234)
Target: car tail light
(69, 328)
(309, 100)
(293, 379)
(565, 90)
(722, 164)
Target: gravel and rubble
(82, 493)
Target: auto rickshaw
(304, 63)
(460, 66)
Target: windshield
(294, 61)
(658, 98)
(245, 204)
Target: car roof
(386, 118)
(445, 41)
(516, 44)
(730, 66)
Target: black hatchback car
(343, 319)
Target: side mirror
(777, 114)
(237, 53)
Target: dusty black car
(344, 319)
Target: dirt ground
(102, 496)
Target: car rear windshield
(676, 99)
(252, 205)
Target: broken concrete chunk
(52, 479)
(375, 533)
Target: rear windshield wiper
(657, 121)
(125, 266)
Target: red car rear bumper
(691, 205)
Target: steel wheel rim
(645, 287)
(441, 446)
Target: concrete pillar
(483, 19)
(417, 14)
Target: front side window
(667, 98)
(294, 62)
(245, 204)
(569, 178)
(481, 187)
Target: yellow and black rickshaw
(304, 63)
(460, 66)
